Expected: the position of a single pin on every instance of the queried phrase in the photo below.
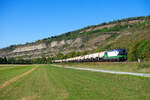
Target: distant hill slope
(132, 34)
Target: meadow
(47, 82)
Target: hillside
(132, 34)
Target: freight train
(110, 55)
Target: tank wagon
(110, 55)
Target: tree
(4, 60)
(60, 56)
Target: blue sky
(24, 21)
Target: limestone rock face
(54, 43)
(29, 48)
(62, 42)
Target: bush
(141, 66)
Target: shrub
(141, 66)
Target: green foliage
(113, 36)
(3, 60)
(72, 54)
(141, 66)
(141, 50)
(107, 47)
(59, 56)
(42, 60)
(11, 60)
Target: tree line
(43, 60)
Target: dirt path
(30, 98)
(13, 65)
(106, 71)
(6, 68)
(3, 68)
(16, 78)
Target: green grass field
(47, 82)
(8, 72)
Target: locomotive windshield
(122, 52)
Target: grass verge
(114, 66)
